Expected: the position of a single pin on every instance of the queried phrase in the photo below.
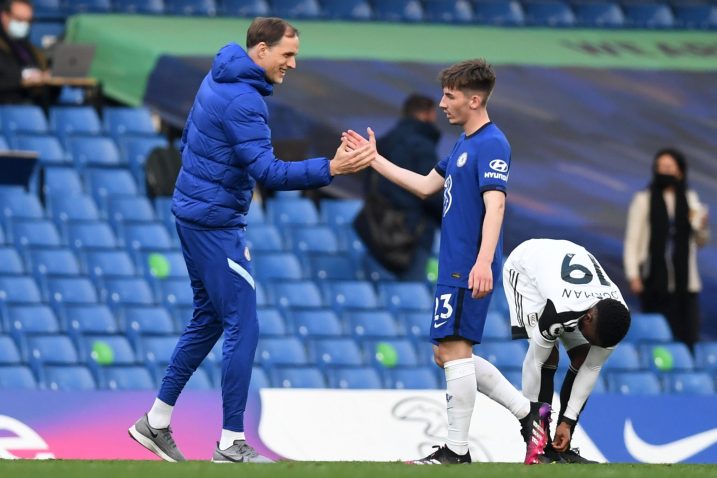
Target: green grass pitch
(196, 469)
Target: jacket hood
(233, 65)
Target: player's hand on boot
(561, 442)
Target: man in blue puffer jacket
(226, 148)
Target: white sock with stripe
(460, 401)
(493, 384)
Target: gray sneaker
(239, 452)
(157, 440)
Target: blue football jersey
(478, 163)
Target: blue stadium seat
(48, 147)
(497, 326)
(271, 322)
(314, 323)
(259, 379)
(102, 183)
(666, 357)
(411, 378)
(255, 215)
(19, 290)
(155, 7)
(65, 208)
(3, 144)
(648, 328)
(498, 12)
(48, 10)
(689, 383)
(90, 235)
(134, 150)
(633, 383)
(19, 119)
(309, 9)
(108, 263)
(338, 352)
(163, 210)
(623, 358)
(648, 15)
(350, 242)
(405, 353)
(244, 8)
(190, 7)
(158, 266)
(695, 15)
(371, 324)
(448, 11)
(20, 206)
(281, 351)
(9, 353)
(297, 377)
(35, 233)
(706, 355)
(398, 11)
(87, 151)
(158, 350)
(375, 271)
(263, 238)
(296, 294)
(332, 267)
(126, 378)
(97, 350)
(120, 121)
(400, 296)
(305, 239)
(548, 13)
(417, 324)
(16, 377)
(147, 235)
(354, 378)
(45, 34)
(73, 120)
(176, 292)
(32, 319)
(146, 320)
(121, 209)
(88, 319)
(599, 14)
(62, 181)
(277, 266)
(71, 290)
(198, 381)
(350, 295)
(262, 298)
(338, 212)
(53, 262)
(88, 6)
(68, 378)
(55, 349)
(347, 9)
(508, 354)
(126, 291)
(292, 212)
(10, 262)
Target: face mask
(18, 30)
(663, 181)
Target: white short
(526, 305)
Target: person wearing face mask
(22, 66)
(666, 224)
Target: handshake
(354, 153)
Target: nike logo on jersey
(438, 324)
(673, 452)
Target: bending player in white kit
(557, 289)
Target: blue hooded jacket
(226, 147)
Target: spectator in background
(666, 223)
(22, 66)
(411, 144)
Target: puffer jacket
(226, 147)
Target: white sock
(228, 438)
(460, 401)
(160, 414)
(493, 384)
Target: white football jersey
(565, 273)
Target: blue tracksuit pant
(224, 301)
